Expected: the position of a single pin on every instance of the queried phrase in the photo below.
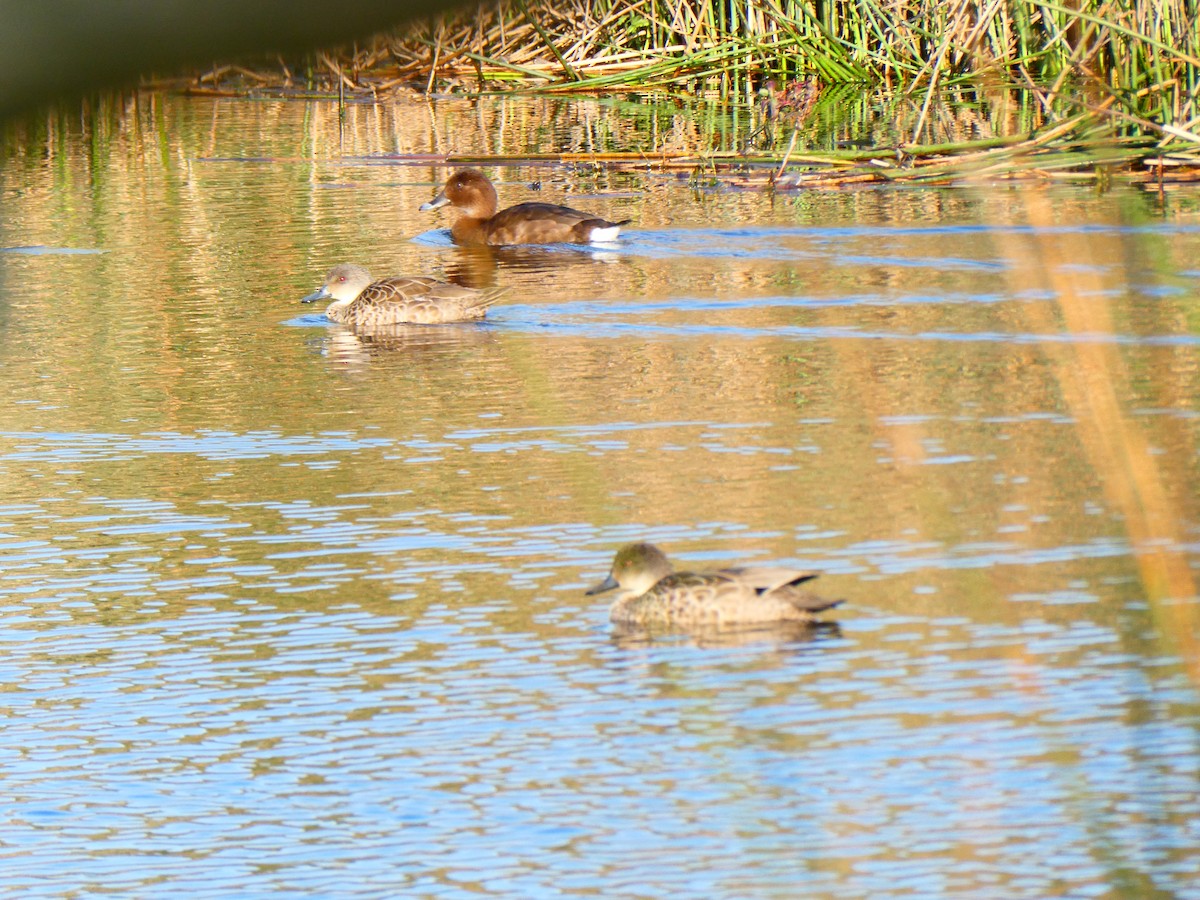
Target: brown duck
(654, 594)
(400, 300)
(478, 223)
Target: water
(289, 613)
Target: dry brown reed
(1117, 82)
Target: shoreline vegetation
(1114, 85)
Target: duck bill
(319, 294)
(436, 203)
(607, 584)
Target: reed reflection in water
(287, 610)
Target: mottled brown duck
(364, 304)
(653, 593)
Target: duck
(653, 593)
(363, 303)
(478, 223)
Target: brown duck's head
(470, 191)
(636, 569)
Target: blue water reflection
(429, 753)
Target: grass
(1145, 53)
(1124, 73)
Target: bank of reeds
(1145, 53)
(1129, 66)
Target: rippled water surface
(289, 612)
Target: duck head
(343, 283)
(636, 569)
(470, 191)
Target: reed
(1145, 53)
(1128, 67)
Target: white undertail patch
(603, 235)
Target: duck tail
(599, 231)
(489, 299)
(811, 603)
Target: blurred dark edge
(55, 50)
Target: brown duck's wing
(419, 300)
(542, 223)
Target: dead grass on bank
(1135, 118)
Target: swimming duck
(655, 594)
(526, 223)
(400, 300)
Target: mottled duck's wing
(765, 579)
(781, 584)
(716, 598)
(418, 300)
(483, 300)
(771, 585)
(806, 601)
(682, 597)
